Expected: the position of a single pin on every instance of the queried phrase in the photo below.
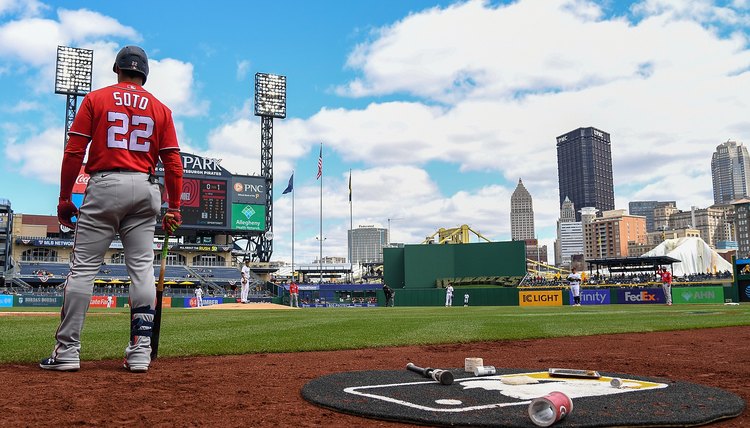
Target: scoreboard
(214, 199)
(204, 202)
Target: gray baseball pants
(124, 203)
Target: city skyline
(436, 107)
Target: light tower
(270, 102)
(73, 78)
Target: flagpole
(351, 229)
(293, 279)
(320, 173)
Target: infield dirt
(263, 390)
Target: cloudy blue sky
(437, 107)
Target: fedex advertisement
(641, 295)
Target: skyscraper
(569, 235)
(646, 209)
(730, 172)
(367, 244)
(584, 169)
(521, 214)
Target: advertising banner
(103, 302)
(37, 301)
(6, 301)
(698, 295)
(540, 298)
(248, 190)
(248, 217)
(192, 302)
(593, 297)
(640, 295)
(744, 292)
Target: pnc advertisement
(540, 298)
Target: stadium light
(270, 95)
(270, 102)
(73, 72)
(73, 78)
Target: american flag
(320, 163)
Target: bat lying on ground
(590, 374)
(443, 376)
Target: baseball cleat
(61, 366)
(135, 368)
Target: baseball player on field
(126, 130)
(198, 297)
(574, 280)
(666, 284)
(245, 281)
(449, 296)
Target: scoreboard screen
(204, 202)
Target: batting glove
(65, 213)
(171, 220)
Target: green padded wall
(393, 267)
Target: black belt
(119, 170)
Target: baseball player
(574, 280)
(198, 296)
(466, 299)
(666, 284)
(126, 130)
(245, 281)
(449, 296)
(293, 294)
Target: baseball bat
(444, 377)
(159, 297)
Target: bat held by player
(444, 377)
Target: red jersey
(293, 288)
(666, 277)
(127, 126)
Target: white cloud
(243, 68)
(25, 8)
(38, 157)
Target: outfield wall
(503, 296)
(478, 296)
(421, 266)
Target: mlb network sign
(641, 295)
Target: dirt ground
(263, 390)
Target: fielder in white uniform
(574, 280)
(449, 296)
(198, 296)
(245, 281)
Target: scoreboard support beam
(266, 166)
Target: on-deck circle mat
(491, 401)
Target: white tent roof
(695, 255)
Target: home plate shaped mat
(503, 399)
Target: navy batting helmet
(132, 58)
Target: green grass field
(187, 332)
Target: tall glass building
(584, 169)
(366, 244)
(730, 172)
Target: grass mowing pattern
(187, 332)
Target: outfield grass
(188, 332)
